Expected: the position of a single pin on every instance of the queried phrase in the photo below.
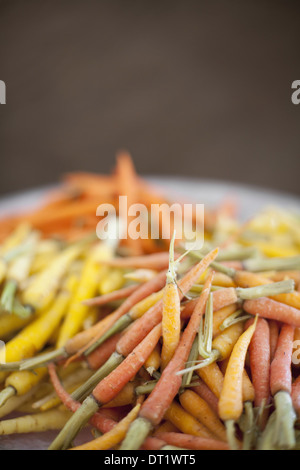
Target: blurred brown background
(194, 88)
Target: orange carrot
(271, 309)
(259, 351)
(107, 389)
(192, 442)
(221, 298)
(112, 296)
(296, 395)
(159, 400)
(283, 433)
(154, 315)
(274, 334)
(281, 375)
(205, 392)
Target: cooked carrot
(273, 310)
(108, 388)
(198, 408)
(231, 398)
(155, 406)
(192, 442)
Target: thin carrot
(260, 353)
(273, 310)
(108, 388)
(206, 394)
(151, 318)
(198, 408)
(282, 433)
(110, 297)
(112, 437)
(296, 395)
(274, 334)
(170, 313)
(231, 398)
(185, 422)
(192, 442)
(155, 406)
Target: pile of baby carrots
(142, 342)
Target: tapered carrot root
(260, 353)
(270, 309)
(206, 394)
(282, 434)
(107, 389)
(160, 399)
(198, 408)
(150, 319)
(192, 442)
(110, 297)
(231, 398)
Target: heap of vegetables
(152, 346)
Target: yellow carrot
(33, 338)
(231, 398)
(197, 407)
(114, 280)
(112, 437)
(42, 290)
(170, 312)
(38, 422)
(21, 382)
(185, 422)
(87, 288)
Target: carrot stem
(8, 295)
(266, 290)
(272, 264)
(230, 431)
(137, 433)
(284, 433)
(87, 387)
(117, 327)
(77, 421)
(42, 359)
